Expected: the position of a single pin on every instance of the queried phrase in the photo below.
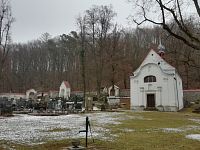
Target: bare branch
(187, 32)
(180, 13)
(162, 10)
(181, 38)
(145, 18)
(197, 6)
(188, 37)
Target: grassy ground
(139, 131)
(148, 134)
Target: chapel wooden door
(150, 100)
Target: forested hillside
(96, 54)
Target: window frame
(149, 79)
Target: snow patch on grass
(195, 120)
(181, 129)
(127, 130)
(172, 130)
(193, 136)
(191, 127)
(27, 129)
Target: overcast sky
(35, 17)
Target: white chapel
(156, 84)
(65, 90)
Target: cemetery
(63, 102)
(122, 118)
(100, 75)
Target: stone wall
(124, 93)
(125, 102)
(191, 95)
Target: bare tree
(71, 44)
(99, 22)
(114, 54)
(6, 20)
(82, 27)
(170, 14)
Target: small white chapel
(156, 84)
(65, 90)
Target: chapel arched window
(149, 79)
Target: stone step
(151, 109)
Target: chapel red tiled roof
(67, 84)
